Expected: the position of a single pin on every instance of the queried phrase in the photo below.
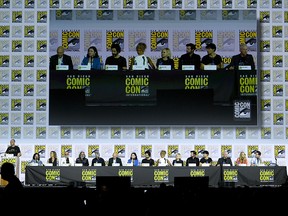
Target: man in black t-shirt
(13, 149)
(193, 159)
(116, 59)
(190, 58)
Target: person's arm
(132, 63)
(151, 63)
(120, 161)
(219, 162)
(232, 64)
(70, 63)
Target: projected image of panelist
(190, 60)
(211, 61)
(141, 62)
(116, 59)
(60, 61)
(92, 60)
(165, 62)
(243, 60)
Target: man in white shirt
(256, 161)
(67, 160)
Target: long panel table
(151, 176)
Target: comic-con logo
(78, 82)
(202, 38)
(116, 37)
(230, 175)
(159, 40)
(196, 81)
(226, 40)
(247, 84)
(161, 175)
(136, 37)
(52, 175)
(248, 38)
(197, 172)
(266, 175)
(93, 38)
(88, 175)
(180, 39)
(137, 85)
(242, 109)
(71, 40)
(126, 172)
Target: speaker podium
(10, 159)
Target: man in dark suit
(60, 59)
(242, 59)
(224, 160)
(115, 160)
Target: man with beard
(116, 59)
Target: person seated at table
(53, 159)
(142, 59)
(211, 58)
(190, 57)
(36, 160)
(224, 160)
(133, 159)
(193, 159)
(115, 160)
(148, 159)
(241, 160)
(178, 160)
(60, 59)
(97, 159)
(165, 59)
(67, 160)
(242, 59)
(205, 159)
(82, 159)
(256, 160)
(92, 59)
(116, 58)
(162, 161)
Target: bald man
(60, 59)
(243, 58)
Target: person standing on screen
(225, 159)
(98, 159)
(142, 59)
(116, 59)
(243, 58)
(193, 159)
(13, 149)
(165, 59)
(212, 58)
(114, 160)
(82, 159)
(92, 59)
(190, 58)
(60, 59)
(148, 159)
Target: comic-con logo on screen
(225, 40)
(196, 81)
(137, 85)
(248, 38)
(88, 175)
(197, 172)
(247, 84)
(93, 38)
(78, 82)
(202, 38)
(230, 175)
(180, 39)
(116, 37)
(161, 175)
(242, 109)
(136, 37)
(126, 172)
(159, 40)
(52, 175)
(266, 175)
(71, 40)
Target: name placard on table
(244, 67)
(62, 67)
(164, 67)
(188, 67)
(84, 67)
(111, 67)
